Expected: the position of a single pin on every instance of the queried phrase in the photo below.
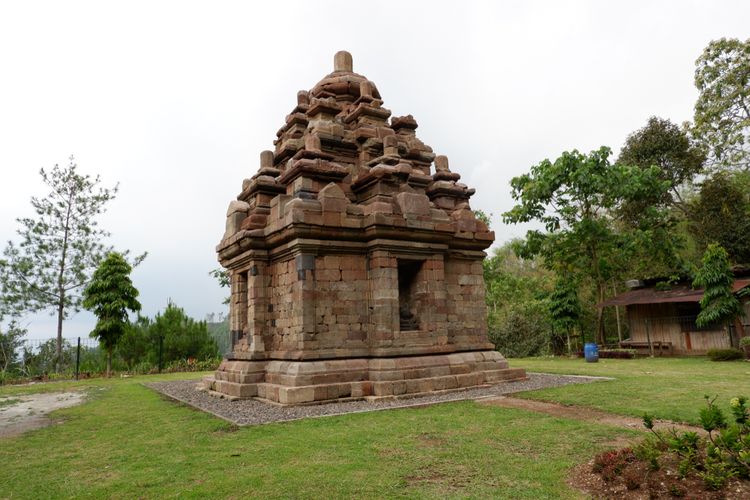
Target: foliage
(616, 353)
(110, 295)
(745, 342)
(59, 248)
(730, 354)
(663, 144)
(483, 217)
(719, 304)
(222, 276)
(134, 346)
(575, 197)
(721, 214)
(724, 454)
(183, 337)
(10, 345)
(722, 112)
(522, 330)
(565, 306)
(219, 332)
(44, 359)
(517, 290)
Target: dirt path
(582, 413)
(19, 414)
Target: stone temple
(355, 265)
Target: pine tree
(59, 249)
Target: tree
(59, 248)
(722, 112)
(564, 306)
(575, 197)
(663, 144)
(110, 295)
(719, 304)
(182, 336)
(721, 214)
(10, 343)
(135, 344)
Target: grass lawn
(129, 442)
(670, 388)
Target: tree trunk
(109, 362)
(58, 347)
(600, 316)
(61, 285)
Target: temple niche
(355, 265)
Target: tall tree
(719, 304)
(722, 112)
(60, 247)
(663, 144)
(110, 295)
(574, 197)
(565, 307)
(721, 214)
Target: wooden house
(663, 321)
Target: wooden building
(663, 321)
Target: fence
(83, 357)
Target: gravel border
(255, 412)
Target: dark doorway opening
(407, 278)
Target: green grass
(670, 388)
(129, 442)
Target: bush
(724, 354)
(745, 342)
(521, 330)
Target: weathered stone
(354, 272)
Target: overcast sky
(175, 100)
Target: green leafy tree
(517, 289)
(182, 336)
(575, 197)
(565, 306)
(721, 214)
(663, 144)
(110, 295)
(719, 304)
(722, 112)
(59, 249)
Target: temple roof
(384, 176)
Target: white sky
(175, 100)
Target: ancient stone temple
(355, 260)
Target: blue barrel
(591, 352)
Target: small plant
(632, 479)
(677, 491)
(724, 354)
(745, 342)
(716, 473)
(649, 451)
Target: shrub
(725, 354)
(745, 342)
(521, 330)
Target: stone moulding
(355, 261)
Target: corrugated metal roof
(678, 293)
